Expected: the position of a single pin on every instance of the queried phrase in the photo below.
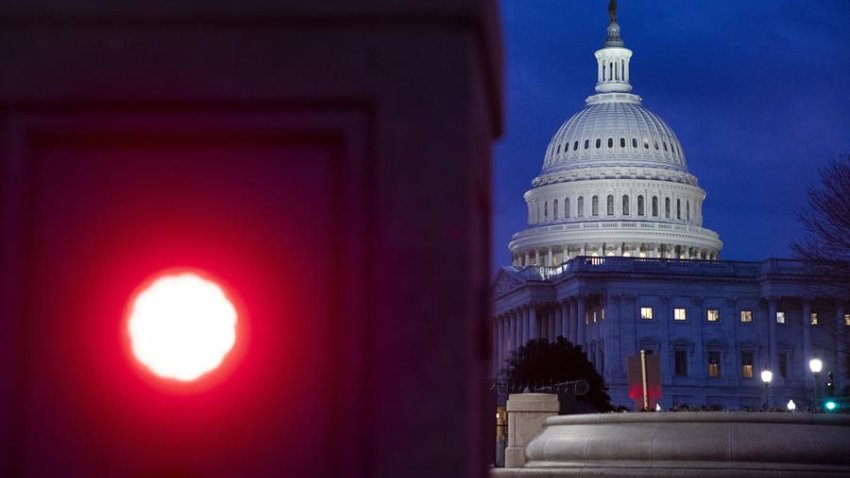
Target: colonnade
(557, 255)
(547, 320)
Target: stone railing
(624, 225)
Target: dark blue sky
(757, 91)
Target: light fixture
(791, 405)
(766, 376)
(815, 365)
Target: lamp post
(766, 377)
(815, 365)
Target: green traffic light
(831, 405)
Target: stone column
(549, 261)
(533, 330)
(773, 348)
(526, 414)
(807, 343)
(558, 311)
(581, 319)
(537, 257)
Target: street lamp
(791, 405)
(766, 377)
(815, 365)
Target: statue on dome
(612, 10)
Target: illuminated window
(602, 313)
(680, 313)
(746, 316)
(780, 317)
(813, 318)
(713, 315)
(783, 365)
(646, 313)
(747, 364)
(714, 364)
(847, 320)
(681, 363)
(594, 316)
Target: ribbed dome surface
(614, 131)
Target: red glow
(181, 325)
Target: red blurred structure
(329, 164)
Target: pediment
(506, 282)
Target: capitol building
(616, 258)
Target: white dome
(611, 133)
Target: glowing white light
(657, 407)
(815, 365)
(182, 326)
(791, 405)
(766, 376)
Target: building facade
(616, 259)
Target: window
(598, 143)
(746, 316)
(714, 364)
(640, 206)
(645, 144)
(622, 142)
(634, 142)
(747, 364)
(680, 313)
(713, 315)
(681, 363)
(575, 145)
(646, 313)
(813, 318)
(559, 148)
(678, 209)
(586, 143)
(602, 313)
(566, 208)
(847, 320)
(667, 207)
(610, 142)
(688, 209)
(656, 145)
(610, 205)
(780, 317)
(555, 210)
(625, 205)
(546, 211)
(655, 206)
(580, 212)
(594, 205)
(665, 145)
(783, 365)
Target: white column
(537, 257)
(549, 261)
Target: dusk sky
(758, 93)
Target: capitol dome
(614, 181)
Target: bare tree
(826, 220)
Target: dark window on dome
(580, 206)
(559, 149)
(655, 206)
(665, 145)
(545, 211)
(622, 142)
(656, 145)
(678, 209)
(566, 208)
(586, 143)
(640, 206)
(688, 209)
(598, 143)
(594, 205)
(625, 205)
(667, 207)
(610, 142)
(646, 144)
(610, 204)
(555, 210)
(575, 146)
(634, 142)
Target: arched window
(594, 205)
(555, 210)
(616, 72)
(622, 142)
(566, 208)
(634, 142)
(610, 204)
(645, 144)
(598, 143)
(546, 211)
(688, 209)
(625, 205)
(575, 145)
(655, 206)
(610, 142)
(586, 143)
(640, 206)
(604, 72)
(559, 149)
(656, 145)
(665, 145)
(580, 205)
(667, 207)
(678, 209)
